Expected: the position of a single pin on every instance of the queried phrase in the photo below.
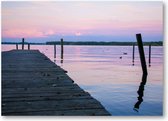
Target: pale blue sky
(82, 21)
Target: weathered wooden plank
(50, 96)
(51, 105)
(41, 89)
(73, 112)
(37, 86)
(44, 94)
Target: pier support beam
(62, 48)
(16, 46)
(133, 54)
(22, 43)
(149, 55)
(29, 46)
(54, 50)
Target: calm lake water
(108, 75)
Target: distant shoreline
(159, 43)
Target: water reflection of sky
(111, 80)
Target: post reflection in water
(61, 61)
(140, 92)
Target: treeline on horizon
(158, 43)
(32, 43)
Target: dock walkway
(33, 85)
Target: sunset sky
(81, 21)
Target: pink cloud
(28, 33)
(49, 32)
(78, 34)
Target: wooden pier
(34, 85)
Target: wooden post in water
(149, 55)
(62, 48)
(16, 46)
(141, 53)
(133, 54)
(54, 50)
(28, 46)
(145, 73)
(22, 43)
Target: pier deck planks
(34, 85)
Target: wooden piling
(28, 46)
(16, 46)
(62, 48)
(22, 43)
(54, 50)
(149, 55)
(141, 53)
(133, 54)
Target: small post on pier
(28, 46)
(54, 50)
(141, 53)
(149, 55)
(133, 54)
(62, 48)
(22, 43)
(16, 46)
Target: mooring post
(144, 75)
(133, 54)
(16, 46)
(62, 48)
(54, 50)
(141, 53)
(28, 46)
(22, 43)
(149, 55)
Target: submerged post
(149, 55)
(22, 43)
(141, 53)
(28, 46)
(16, 46)
(54, 50)
(62, 48)
(133, 54)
